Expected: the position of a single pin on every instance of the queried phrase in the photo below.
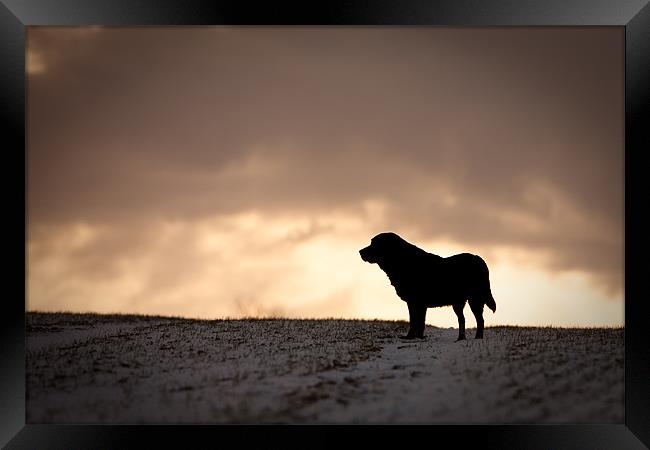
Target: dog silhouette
(424, 280)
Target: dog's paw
(412, 338)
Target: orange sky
(224, 171)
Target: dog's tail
(489, 301)
(484, 285)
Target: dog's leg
(420, 318)
(417, 315)
(458, 309)
(477, 309)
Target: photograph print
(324, 225)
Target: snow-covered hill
(87, 368)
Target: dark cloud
(476, 135)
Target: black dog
(424, 280)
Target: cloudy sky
(236, 171)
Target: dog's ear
(396, 248)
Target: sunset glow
(225, 172)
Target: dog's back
(445, 281)
(470, 274)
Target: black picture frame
(632, 15)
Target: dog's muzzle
(364, 254)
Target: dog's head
(382, 247)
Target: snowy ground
(135, 369)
